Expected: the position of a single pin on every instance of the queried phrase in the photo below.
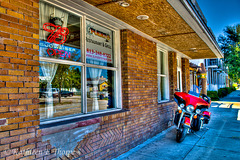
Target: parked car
(66, 94)
(45, 93)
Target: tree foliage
(230, 45)
(67, 77)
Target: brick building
(55, 54)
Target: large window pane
(179, 80)
(60, 90)
(99, 45)
(163, 88)
(100, 89)
(59, 34)
(162, 76)
(162, 63)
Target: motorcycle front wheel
(181, 134)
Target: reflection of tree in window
(67, 77)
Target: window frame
(159, 75)
(179, 71)
(83, 64)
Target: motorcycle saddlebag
(207, 116)
(176, 118)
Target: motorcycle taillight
(206, 113)
(207, 116)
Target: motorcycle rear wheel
(181, 134)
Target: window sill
(55, 127)
(166, 101)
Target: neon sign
(56, 33)
(62, 53)
(59, 51)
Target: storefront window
(59, 34)
(99, 43)
(100, 94)
(75, 81)
(163, 94)
(179, 74)
(60, 90)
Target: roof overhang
(171, 24)
(188, 12)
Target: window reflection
(99, 45)
(100, 93)
(60, 90)
(53, 43)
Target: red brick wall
(19, 56)
(172, 64)
(185, 75)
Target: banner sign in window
(53, 50)
(99, 43)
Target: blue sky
(220, 13)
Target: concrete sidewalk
(219, 140)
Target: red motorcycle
(191, 114)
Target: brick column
(185, 75)
(19, 82)
(172, 64)
(139, 70)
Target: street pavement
(218, 140)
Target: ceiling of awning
(164, 24)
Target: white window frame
(84, 65)
(159, 75)
(179, 70)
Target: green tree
(230, 43)
(67, 77)
(61, 79)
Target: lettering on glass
(62, 53)
(99, 33)
(56, 33)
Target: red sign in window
(56, 33)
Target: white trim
(69, 117)
(159, 75)
(179, 69)
(53, 60)
(193, 21)
(117, 62)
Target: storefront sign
(56, 32)
(59, 51)
(99, 33)
(99, 43)
(99, 55)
